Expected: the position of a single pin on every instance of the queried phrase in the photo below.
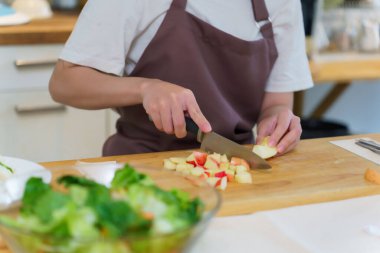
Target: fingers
(178, 122)
(166, 103)
(195, 113)
(282, 126)
(292, 137)
(265, 128)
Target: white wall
(358, 107)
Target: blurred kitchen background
(343, 47)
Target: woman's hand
(167, 105)
(279, 122)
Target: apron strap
(262, 16)
(260, 10)
(181, 4)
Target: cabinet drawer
(34, 127)
(27, 67)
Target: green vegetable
(6, 167)
(133, 205)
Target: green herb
(6, 167)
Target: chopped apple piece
(215, 156)
(221, 184)
(220, 174)
(241, 168)
(184, 167)
(200, 158)
(177, 160)
(230, 175)
(212, 181)
(243, 178)
(169, 165)
(197, 171)
(224, 159)
(224, 165)
(264, 150)
(238, 161)
(211, 164)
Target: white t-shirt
(111, 35)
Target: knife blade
(213, 142)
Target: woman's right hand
(167, 104)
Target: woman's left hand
(283, 127)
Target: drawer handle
(36, 62)
(25, 108)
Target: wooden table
(316, 171)
(341, 74)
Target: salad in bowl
(142, 210)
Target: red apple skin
(220, 174)
(192, 163)
(200, 158)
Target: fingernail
(280, 149)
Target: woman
(226, 64)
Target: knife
(213, 142)
(371, 145)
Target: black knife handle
(191, 126)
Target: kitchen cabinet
(32, 125)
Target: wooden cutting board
(316, 171)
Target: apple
(243, 178)
(264, 150)
(221, 184)
(220, 174)
(183, 167)
(241, 168)
(212, 181)
(197, 171)
(177, 160)
(238, 161)
(169, 165)
(215, 168)
(211, 164)
(230, 175)
(200, 158)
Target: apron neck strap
(262, 18)
(181, 4)
(260, 10)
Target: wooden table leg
(331, 97)
(298, 103)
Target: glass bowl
(22, 241)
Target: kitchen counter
(56, 29)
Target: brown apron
(227, 75)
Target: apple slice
(241, 168)
(238, 161)
(211, 164)
(177, 160)
(169, 165)
(221, 184)
(230, 175)
(243, 178)
(197, 171)
(200, 158)
(264, 150)
(184, 167)
(212, 181)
